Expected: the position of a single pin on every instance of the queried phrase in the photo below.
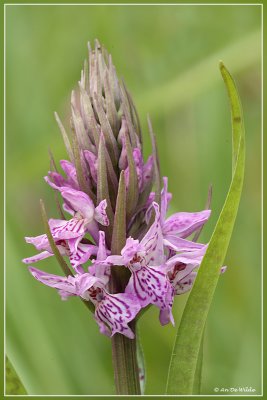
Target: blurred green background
(168, 56)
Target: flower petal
(91, 160)
(40, 242)
(71, 174)
(55, 281)
(101, 270)
(62, 229)
(183, 285)
(147, 172)
(110, 260)
(184, 224)
(116, 311)
(77, 285)
(165, 199)
(151, 286)
(100, 214)
(55, 180)
(82, 255)
(153, 241)
(139, 164)
(83, 283)
(165, 316)
(223, 269)
(122, 141)
(102, 250)
(180, 272)
(130, 249)
(79, 202)
(178, 244)
(37, 257)
(189, 257)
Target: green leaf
(14, 385)
(187, 343)
(140, 362)
(198, 373)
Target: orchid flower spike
(125, 253)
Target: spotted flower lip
(148, 282)
(148, 250)
(181, 269)
(113, 312)
(78, 253)
(77, 285)
(155, 278)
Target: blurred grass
(158, 51)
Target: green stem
(125, 365)
(124, 350)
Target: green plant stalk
(125, 364)
(184, 357)
(124, 350)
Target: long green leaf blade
(199, 367)
(14, 385)
(186, 347)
